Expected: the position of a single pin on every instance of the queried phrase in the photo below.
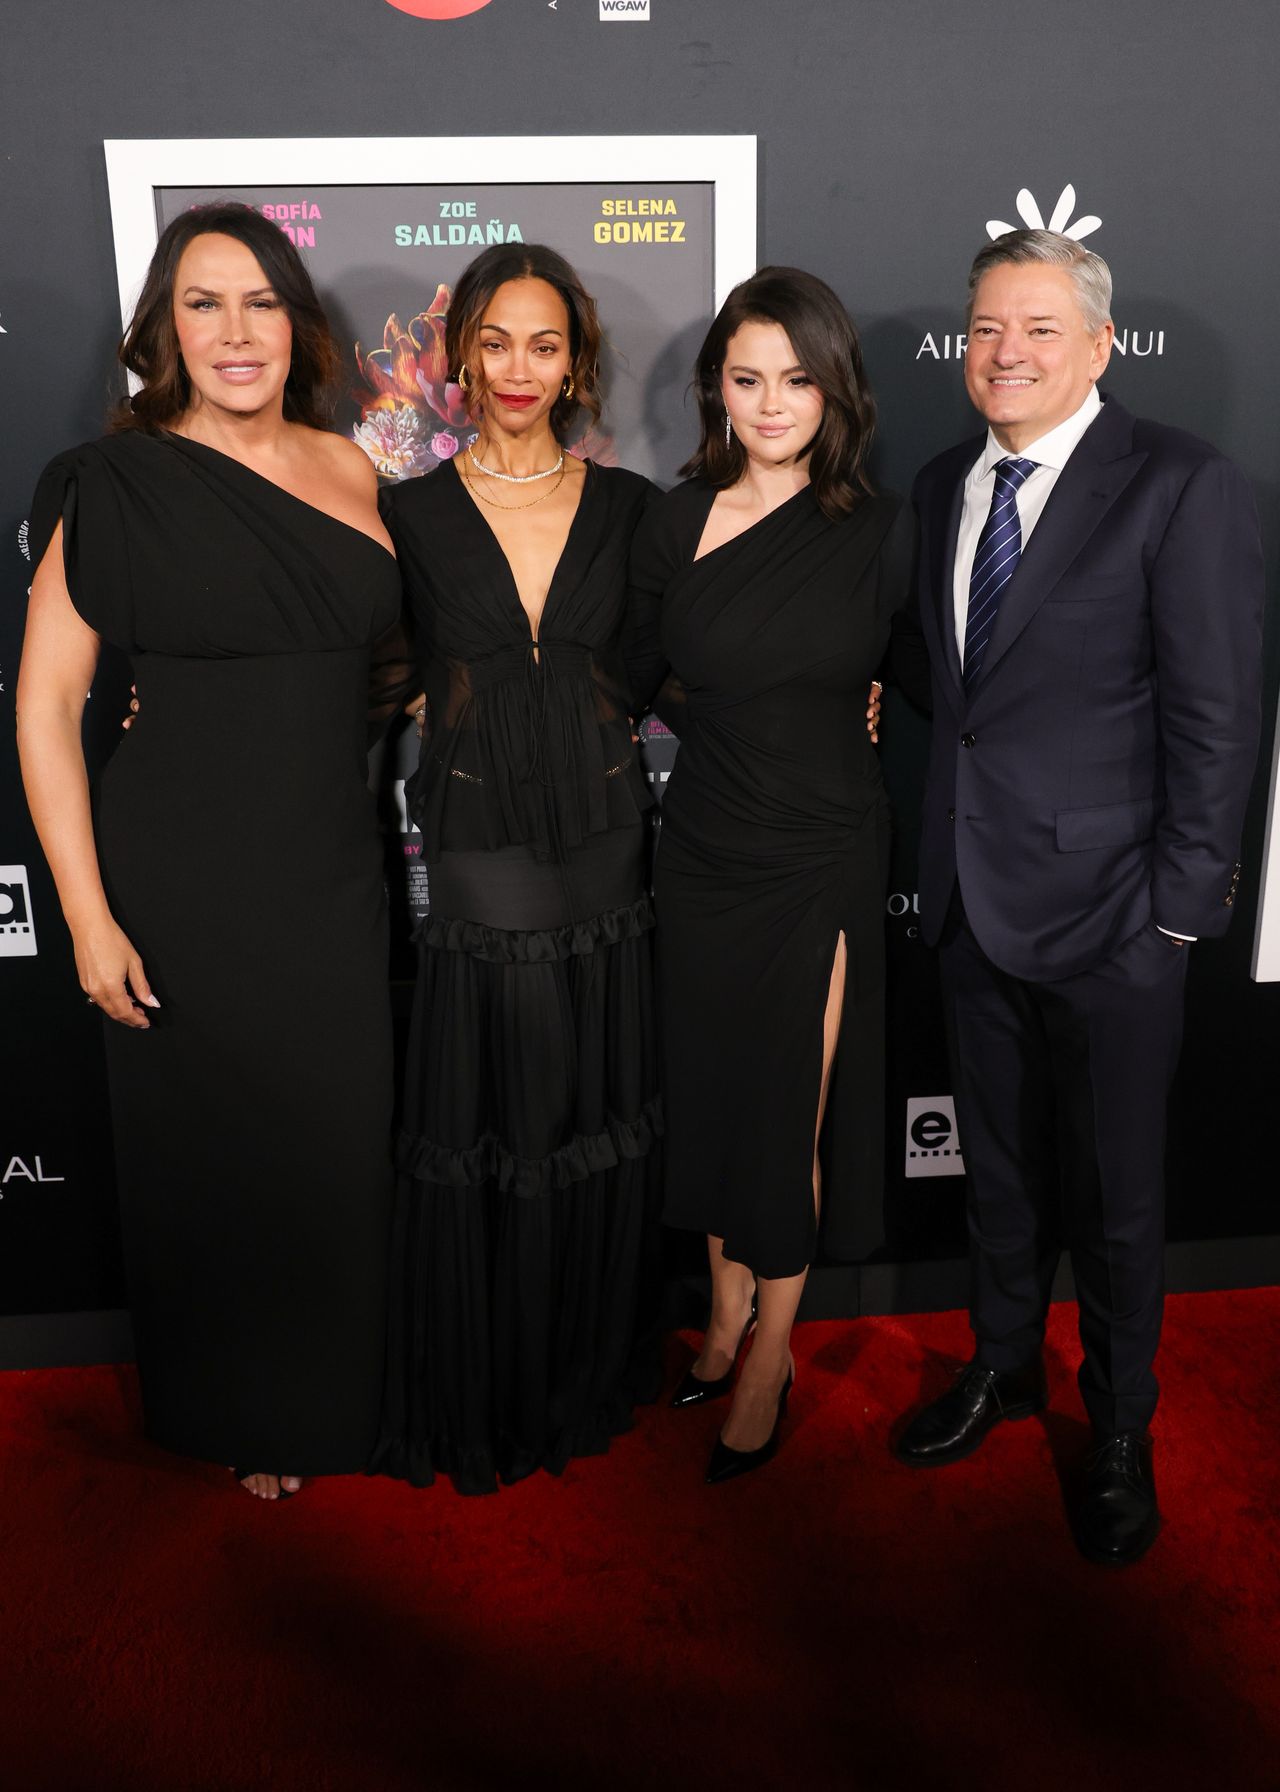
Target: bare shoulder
(343, 461)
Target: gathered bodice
(527, 743)
(760, 654)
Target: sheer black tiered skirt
(524, 1279)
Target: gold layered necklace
(541, 498)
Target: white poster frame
(137, 167)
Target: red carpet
(835, 1621)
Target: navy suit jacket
(1095, 776)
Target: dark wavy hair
(478, 282)
(149, 348)
(826, 345)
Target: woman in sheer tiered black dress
(226, 900)
(523, 1265)
(767, 585)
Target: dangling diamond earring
(728, 430)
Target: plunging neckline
(742, 533)
(315, 509)
(491, 533)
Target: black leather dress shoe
(694, 1391)
(727, 1464)
(956, 1423)
(1116, 1518)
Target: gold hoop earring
(464, 379)
(569, 388)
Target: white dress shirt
(1051, 454)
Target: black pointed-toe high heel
(727, 1464)
(694, 1391)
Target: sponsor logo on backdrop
(933, 1144)
(24, 539)
(24, 1169)
(655, 220)
(3, 331)
(940, 345)
(17, 928)
(438, 9)
(624, 9)
(1059, 218)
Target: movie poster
(658, 228)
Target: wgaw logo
(933, 1144)
(624, 9)
(17, 929)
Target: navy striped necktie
(995, 561)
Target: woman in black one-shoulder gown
(765, 589)
(239, 858)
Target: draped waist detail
(532, 746)
(546, 659)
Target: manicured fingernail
(152, 1003)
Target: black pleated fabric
(525, 1280)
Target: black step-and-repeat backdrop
(887, 145)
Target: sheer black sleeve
(655, 557)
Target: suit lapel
(1094, 477)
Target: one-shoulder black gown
(523, 1306)
(775, 835)
(239, 849)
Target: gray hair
(1090, 275)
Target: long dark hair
(478, 282)
(826, 345)
(149, 348)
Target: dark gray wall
(889, 134)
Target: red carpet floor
(835, 1621)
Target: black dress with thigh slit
(239, 850)
(775, 834)
(524, 1273)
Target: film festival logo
(1139, 343)
(17, 929)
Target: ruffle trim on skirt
(481, 1470)
(489, 1160)
(577, 939)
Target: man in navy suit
(1091, 597)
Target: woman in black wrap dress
(524, 1259)
(227, 908)
(765, 589)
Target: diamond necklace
(512, 478)
(529, 502)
